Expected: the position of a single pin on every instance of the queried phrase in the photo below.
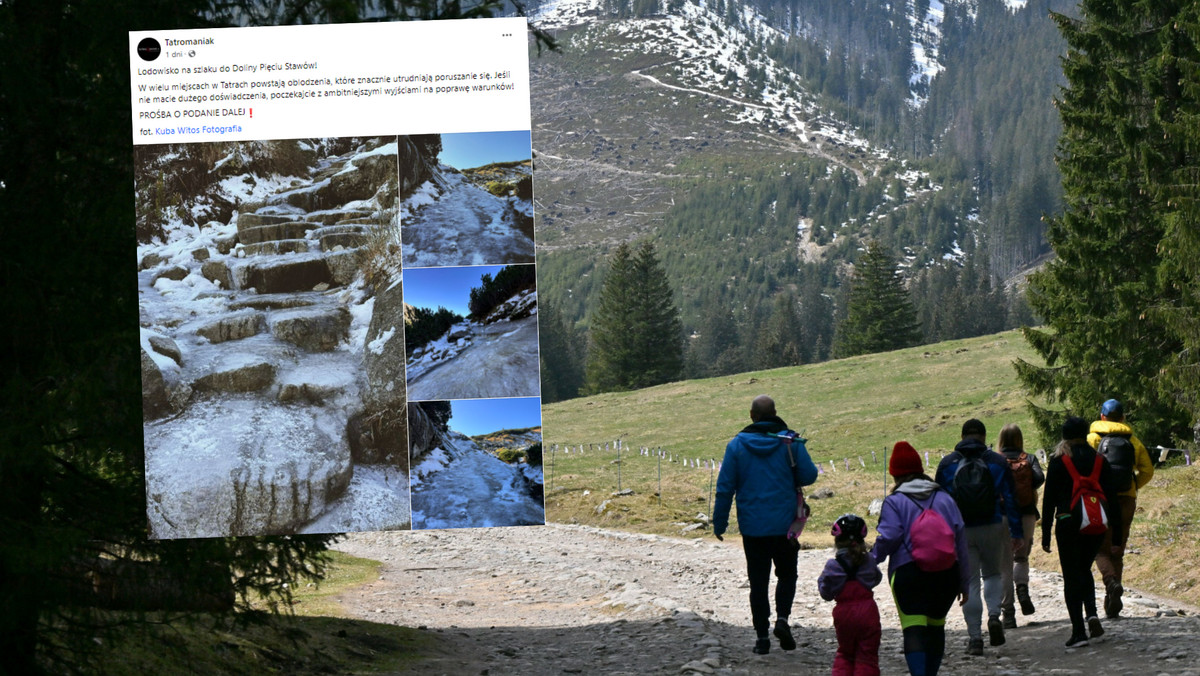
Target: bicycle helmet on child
(851, 526)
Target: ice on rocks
(212, 472)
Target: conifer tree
(1115, 155)
(779, 343)
(717, 349)
(636, 337)
(879, 312)
(560, 354)
(1180, 249)
(72, 483)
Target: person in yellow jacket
(1110, 560)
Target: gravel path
(562, 599)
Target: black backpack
(1120, 453)
(973, 489)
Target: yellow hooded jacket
(1143, 469)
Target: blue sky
(481, 416)
(446, 287)
(475, 149)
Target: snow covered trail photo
(501, 361)
(466, 225)
(458, 484)
(264, 411)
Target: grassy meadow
(847, 409)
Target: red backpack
(1086, 492)
(932, 540)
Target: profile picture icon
(149, 49)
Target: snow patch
(376, 346)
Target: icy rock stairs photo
(260, 385)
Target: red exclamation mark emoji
(251, 113)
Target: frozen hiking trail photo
(582, 600)
(258, 320)
(501, 361)
(458, 484)
(467, 225)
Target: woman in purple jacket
(922, 598)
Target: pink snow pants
(856, 621)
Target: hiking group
(965, 533)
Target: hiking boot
(1009, 618)
(1024, 600)
(784, 633)
(975, 646)
(1094, 627)
(762, 646)
(1077, 641)
(1112, 599)
(995, 631)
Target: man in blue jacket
(763, 467)
(988, 541)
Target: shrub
(533, 455)
(510, 455)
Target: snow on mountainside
(650, 95)
(707, 55)
(927, 36)
(711, 52)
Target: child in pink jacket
(849, 577)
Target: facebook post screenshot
(336, 278)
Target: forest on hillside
(967, 174)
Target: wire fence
(631, 467)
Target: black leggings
(1076, 552)
(761, 552)
(922, 600)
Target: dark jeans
(761, 553)
(1076, 552)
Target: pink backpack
(932, 540)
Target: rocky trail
(565, 599)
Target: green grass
(317, 639)
(345, 572)
(287, 645)
(847, 409)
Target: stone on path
(218, 273)
(287, 274)
(156, 401)
(233, 327)
(237, 373)
(317, 330)
(166, 347)
(212, 472)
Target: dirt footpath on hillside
(561, 599)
